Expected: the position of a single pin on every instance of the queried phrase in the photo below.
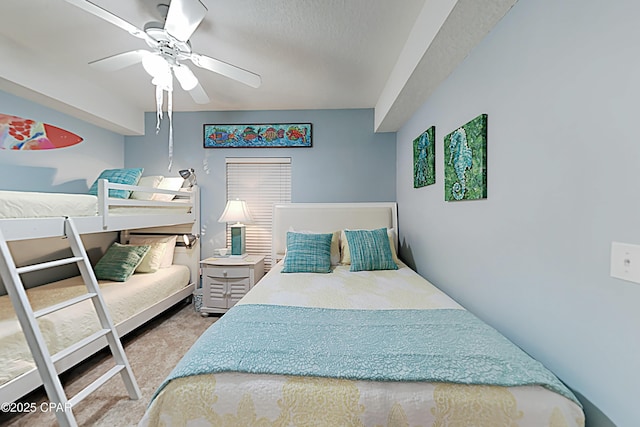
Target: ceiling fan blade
(113, 19)
(199, 95)
(183, 18)
(120, 60)
(227, 70)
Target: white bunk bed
(111, 214)
(179, 216)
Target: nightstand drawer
(233, 281)
(227, 272)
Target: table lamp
(237, 211)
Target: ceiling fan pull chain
(159, 96)
(170, 114)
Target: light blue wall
(69, 170)
(560, 82)
(65, 170)
(348, 161)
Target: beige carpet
(153, 350)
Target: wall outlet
(625, 261)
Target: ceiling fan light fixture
(169, 43)
(163, 81)
(185, 77)
(155, 65)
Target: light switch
(625, 261)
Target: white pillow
(147, 181)
(345, 257)
(168, 183)
(153, 259)
(170, 241)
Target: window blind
(262, 183)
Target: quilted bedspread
(390, 345)
(333, 311)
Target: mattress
(374, 290)
(65, 327)
(18, 204)
(236, 398)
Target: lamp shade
(236, 211)
(155, 65)
(185, 77)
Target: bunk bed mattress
(19, 204)
(234, 397)
(67, 326)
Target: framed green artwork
(465, 161)
(424, 158)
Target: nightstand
(226, 280)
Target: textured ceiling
(311, 55)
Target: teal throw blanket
(444, 345)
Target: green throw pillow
(308, 253)
(119, 262)
(370, 250)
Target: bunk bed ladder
(28, 320)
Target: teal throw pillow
(118, 176)
(119, 262)
(308, 253)
(370, 250)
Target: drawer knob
(224, 272)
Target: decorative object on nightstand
(226, 280)
(237, 211)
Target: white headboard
(329, 217)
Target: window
(262, 183)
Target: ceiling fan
(170, 48)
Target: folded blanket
(445, 345)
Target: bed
(38, 215)
(305, 349)
(28, 204)
(127, 302)
(27, 216)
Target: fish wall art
(17, 133)
(257, 136)
(465, 161)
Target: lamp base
(238, 241)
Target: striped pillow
(118, 176)
(370, 250)
(345, 255)
(119, 262)
(308, 253)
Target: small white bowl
(222, 251)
